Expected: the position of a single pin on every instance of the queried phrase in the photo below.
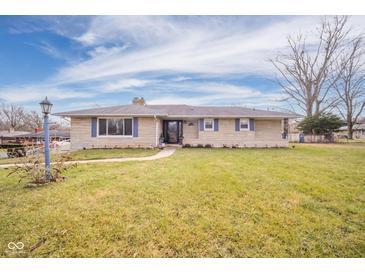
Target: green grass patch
(90, 154)
(303, 202)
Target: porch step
(173, 145)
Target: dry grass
(302, 202)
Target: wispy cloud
(121, 85)
(163, 45)
(49, 49)
(21, 94)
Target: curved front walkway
(166, 152)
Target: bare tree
(59, 124)
(138, 101)
(13, 116)
(2, 121)
(32, 120)
(306, 70)
(350, 86)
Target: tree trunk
(350, 131)
(309, 110)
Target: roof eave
(104, 115)
(231, 116)
(176, 116)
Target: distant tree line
(15, 118)
(326, 75)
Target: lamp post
(46, 109)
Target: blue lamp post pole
(46, 109)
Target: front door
(172, 131)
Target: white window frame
(113, 136)
(248, 124)
(210, 120)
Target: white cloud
(162, 45)
(105, 51)
(181, 78)
(218, 99)
(228, 89)
(139, 30)
(212, 93)
(115, 86)
(21, 94)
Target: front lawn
(92, 154)
(307, 201)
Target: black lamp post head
(46, 106)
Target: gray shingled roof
(355, 127)
(7, 134)
(175, 111)
(52, 133)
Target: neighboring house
(54, 135)
(294, 132)
(150, 125)
(7, 136)
(359, 130)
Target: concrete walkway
(166, 152)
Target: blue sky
(89, 61)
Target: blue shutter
(237, 124)
(252, 124)
(94, 121)
(201, 124)
(135, 127)
(216, 126)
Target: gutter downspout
(156, 131)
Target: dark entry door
(172, 131)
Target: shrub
(187, 145)
(33, 170)
(208, 146)
(322, 124)
(199, 146)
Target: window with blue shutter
(135, 127)
(252, 124)
(201, 124)
(237, 124)
(94, 122)
(216, 125)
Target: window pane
(102, 126)
(128, 126)
(115, 127)
(208, 124)
(244, 124)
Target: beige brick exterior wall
(81, 135)
(267, 134)
(190, 131)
